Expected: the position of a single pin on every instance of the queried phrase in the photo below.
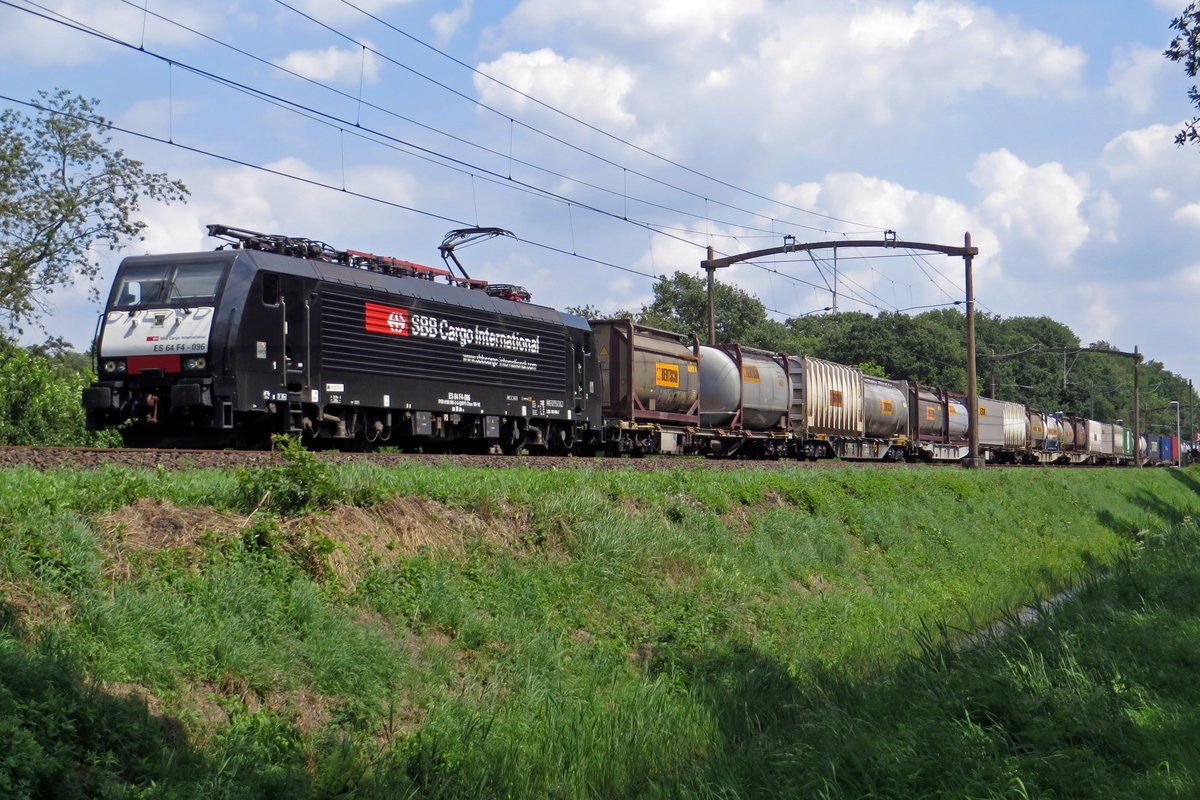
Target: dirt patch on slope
(149, 526)
(383, 534)
(351, 539)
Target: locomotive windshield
(169, 284)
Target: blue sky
(1044, 128)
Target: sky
(618, 139)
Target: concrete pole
(973, 459)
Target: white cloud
(333, 65)
(446, 23)
(332, 12)
(632, 19)
(592, 90)
(40, 42)
(1133, 78)
(1189, 214)
(1172, 7)
(1137, 153)
(798, 73)
(1103, 214)
(1042, 205)
(156, 117)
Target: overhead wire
(69, 22)
(313, 182)
(430, 154)
(353, 128)
(595, 129)
(425, 126)
(347, 126)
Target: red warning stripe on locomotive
(386, 319)
(139, 364)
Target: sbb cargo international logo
(387, 319)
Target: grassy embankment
(522, 633)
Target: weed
(299, 485)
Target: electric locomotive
(273, 334)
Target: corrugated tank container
(1122, 441)
(743, 388)
(1016, 425)
(1002, 424)
(1108, 440)
(827, 398)
(649, 374)
(885, 408)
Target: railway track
(154, 458)
(48, 458)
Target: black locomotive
(273, 334)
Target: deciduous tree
(65, 193)
(1185, 47)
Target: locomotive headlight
(194, 363)
(114, 366)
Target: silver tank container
(959, 420)
(1053, 432)
(743, 387)
(1066, 433)
(885, 408)
(931, 417)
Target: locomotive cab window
(169, 284)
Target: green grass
(682, 633)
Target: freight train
(270, 334)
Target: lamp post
(1178, 440)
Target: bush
(300, 484)
(40, 404)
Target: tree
(1185, 47)
(65, 192)
(681, 304)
